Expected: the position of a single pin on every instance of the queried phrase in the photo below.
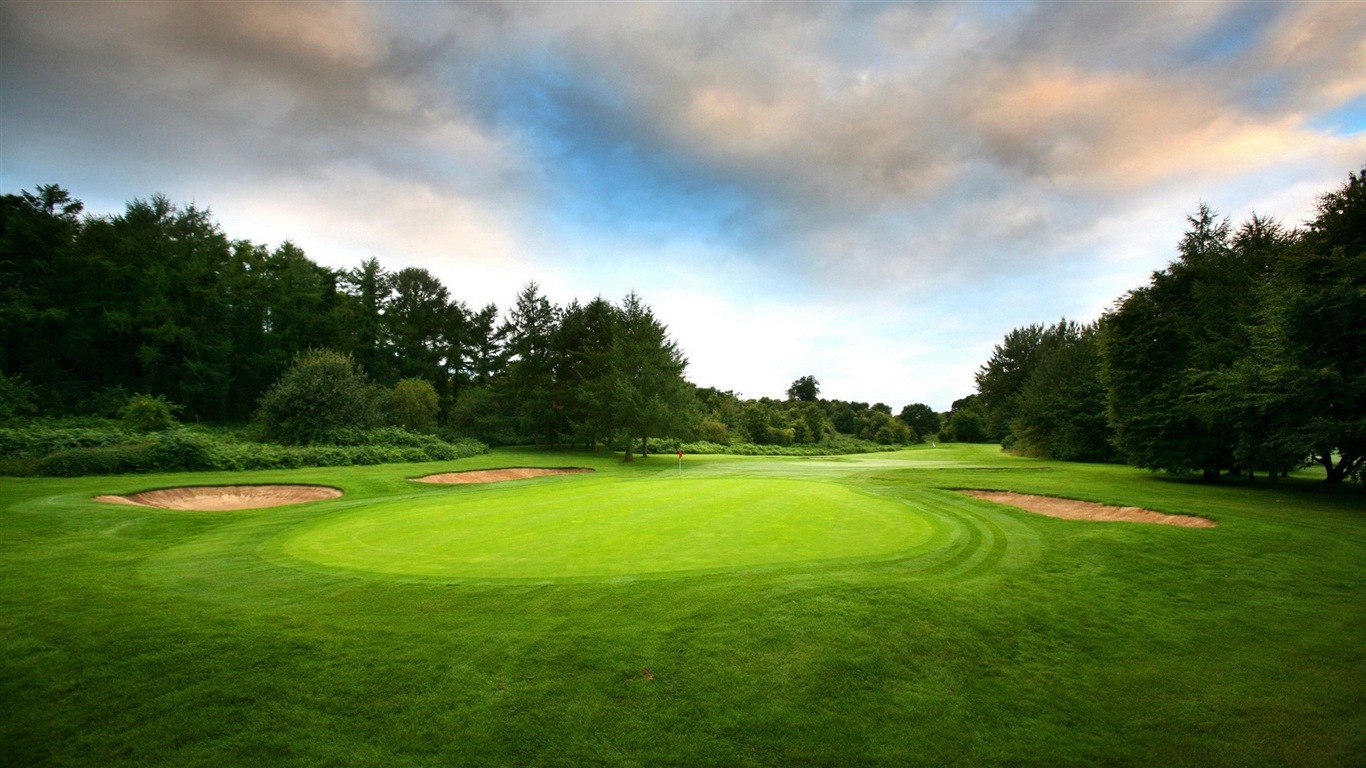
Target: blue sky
(870, 193)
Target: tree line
(158, 300)
(1246, 354)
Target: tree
(583, 346)
(648, 392)
(41, 278)
(805, 389)
(322, 391)
(1316, 333)
(921, 418)
(484, 357)
(964, 422)
(1000, 381)
(528, 390)
(413, 405)
(421, 326)
(370, 288)
(1165, 345)
(1061, 410)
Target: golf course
(715, 611)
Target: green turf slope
(748, 612)
(594, 527)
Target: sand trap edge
(501, 475)
(224, 498)
(1072, 509)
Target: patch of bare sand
(1072, 509)
(498, 475)
(222, 498)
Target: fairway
(588, 527)
(746, 611)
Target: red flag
(680, 454)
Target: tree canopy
(1246, 353)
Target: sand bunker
(1086, 510)
(220, 498)
(498, 475)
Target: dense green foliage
(1243, 355)
(322, 392)
(109, 448)
(137, 636)
(414, 405)
(168, 305)
(149, 413)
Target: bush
(179, 451)
(321, 392)
(109, 460)
(71, 451)
(146, 413)
(38, 440)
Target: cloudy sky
(870, 193)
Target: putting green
(607, 527)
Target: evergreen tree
(648, 393)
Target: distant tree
(921, 418)
(1061, 410)
(765, 424)
(965, 423)
(805, 389)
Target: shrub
(146, 413)
(37, 440)
(321, 392)
(179, 450)
(109, 460)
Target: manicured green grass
(849, 611)
(574, 527)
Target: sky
(870, 193)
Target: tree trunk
(629, 442)
(644, 446)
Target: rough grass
(132, 636)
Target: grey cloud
(913, 139)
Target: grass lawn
(748, 611)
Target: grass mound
(610, 527)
